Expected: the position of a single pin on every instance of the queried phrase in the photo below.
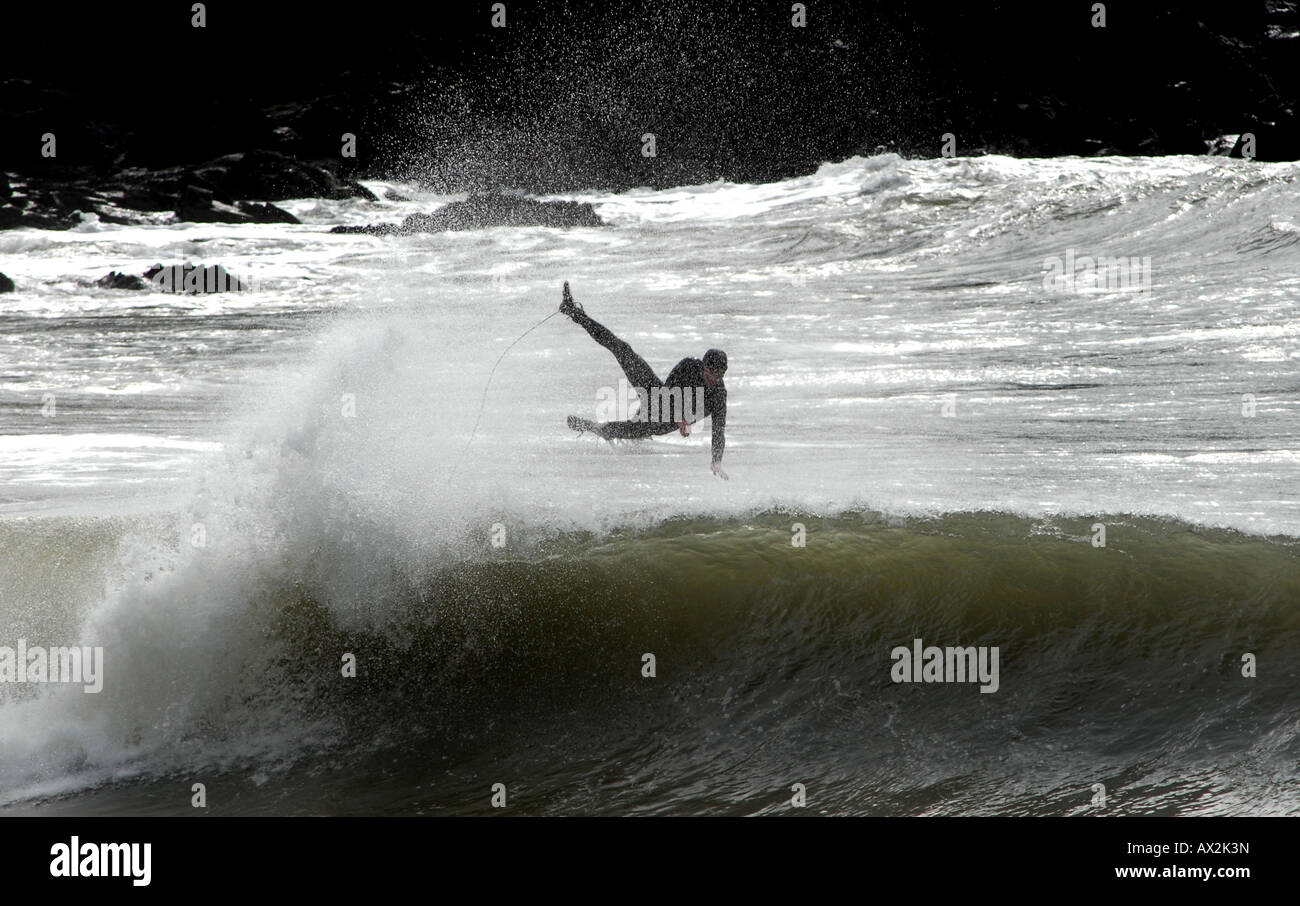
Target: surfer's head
(715, 366)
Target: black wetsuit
(663, 413)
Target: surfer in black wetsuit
(662, 410)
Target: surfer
(690, 375)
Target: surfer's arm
(680, 377)
(719, 416)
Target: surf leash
(483, 402)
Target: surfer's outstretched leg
(634, 429)
(639, 373)
(626, 430)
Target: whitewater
(229, 491)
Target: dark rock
(42, 204)
(272, 176)
(5, 190)
(390, 195)
(193, 278)
(200, 205)
(379, 229)
(146, 190)
(39, 209)
(265, 213)
(116, 280)
(1222, 145)
(481, 211)
(218, 191)
(6, 285)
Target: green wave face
(1120, 664)
(773, 664)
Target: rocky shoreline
(234, 188)
(482, 211)
(620, 95)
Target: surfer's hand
(717, 470)
(567, 305)
(684, 428)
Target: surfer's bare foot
(581, 424)
(567, 305)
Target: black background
(559, 98)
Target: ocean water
(928, 437)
